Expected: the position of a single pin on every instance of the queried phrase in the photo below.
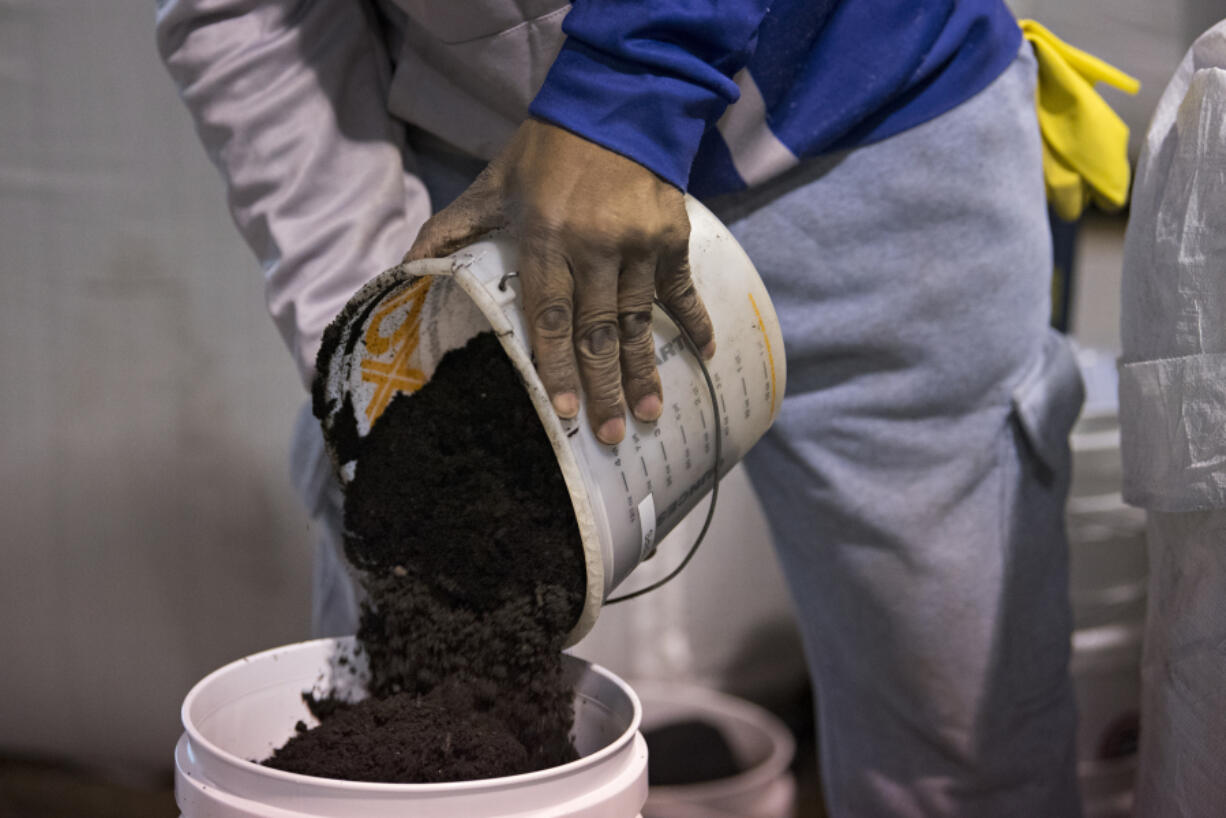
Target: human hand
(599, 236)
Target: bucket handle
(719, 435)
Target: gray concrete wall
(149, 532)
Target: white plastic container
(760, 743)
(248, 708)
(1108, 581)
(395, 329)
(1106, 670)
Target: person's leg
(334, 593)
(916, 476)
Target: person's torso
(825, 74)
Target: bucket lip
(371, 787)
(783, 745)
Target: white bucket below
(761, 743)
(249, 707)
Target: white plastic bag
(1173, 432)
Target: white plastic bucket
(1108, 576)
(248, 708)
(1108, 561)
(626, 497)
(1109, 564)
(761, 744)
(1106, 670)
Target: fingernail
(612, 431)
(708, 352)
(566, 404)
(648, 408)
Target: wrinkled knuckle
(598, 341)
(553, 319)
(635, 325)
(680, 292)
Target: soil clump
(461, 525)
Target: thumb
(476, 211)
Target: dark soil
(690, 751)
(461, 523)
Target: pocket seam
(1036, 408)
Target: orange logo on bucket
(395, 375)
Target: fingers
(597, 346)
(476, 211)
(640, 380)
(548, 305)
(676, 290)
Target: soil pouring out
(460, 525)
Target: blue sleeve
(645, 78)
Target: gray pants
(916, 477)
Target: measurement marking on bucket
(770, 356)
(723, 407)
(767, 395)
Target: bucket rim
(198, 741)
(783, 745)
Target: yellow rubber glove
(1085, 145)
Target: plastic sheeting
(1173, 425)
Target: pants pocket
(1047, 401)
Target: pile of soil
(461, 524)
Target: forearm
(289, 102)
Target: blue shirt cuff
(656, 119)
